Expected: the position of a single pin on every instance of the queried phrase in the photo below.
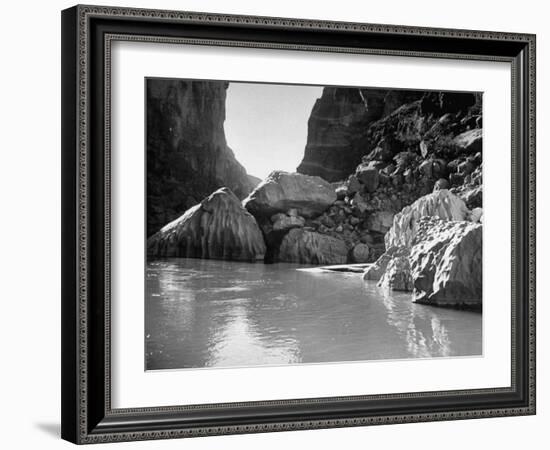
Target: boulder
(367, 174)
(341, 192)
(456, 179)
(425, 168)
(381, 153)
(476, 215)
(292, 212)
(423, 149)
(446, 263)
(441, 204)
(281, 191)
(380, 221)
(439, 168)
(440, 184)
(397, 276)
(353, 185)
(360, 203)
(360, 253)
(469, 142)
(309, 247)
(217, 228)
(465, 168)
(473, 197)
(377, 269)
(283, 222)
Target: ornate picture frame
(88, 33)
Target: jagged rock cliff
(434, 250)
(187, 154)
(446, 263)
(217, 228)
(337, 126)
(441, 204)
(393, 148)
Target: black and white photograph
(275, 225)
(299, 224)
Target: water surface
(206, 313)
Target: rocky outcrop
(282, 191)
(471, 191)
(397, 276)
(368, 175)
(446, 263)
(217, 228)
(308, 247)
(376, 270)
(360, 253)
(285, 222)
(421, 143)
(380, 221)
(469, 142)
(441, 204)
(187, 153)
(433, 250)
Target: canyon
(392, 178)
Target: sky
(266, 124)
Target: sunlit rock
(309, 247)
(217, 228)
(281, 191)
(446, 263)
(377, 269)
(397, 276)
(441, 204)
(470, 141)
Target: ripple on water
(205, 313)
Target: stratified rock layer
(446, 263)
(308, 247)
(187, 153)
(337, 124)
(217, 228)
(282, 191)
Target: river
(207, 313)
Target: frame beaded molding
(109, 39)
(84, 14)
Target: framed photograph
(279, 224)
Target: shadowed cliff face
(187, 154)
(337, 126)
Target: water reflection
(205, 313)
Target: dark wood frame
(87, 32)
